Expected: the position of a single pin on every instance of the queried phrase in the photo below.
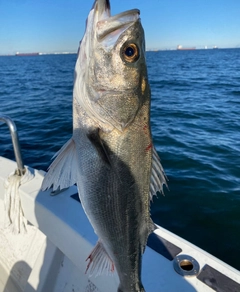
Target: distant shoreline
(190, 49)
(147, 50)
(35, 54)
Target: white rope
(14, 216)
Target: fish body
(110, 155)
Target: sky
(49, 26)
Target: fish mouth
(107, 24)
(102, 8)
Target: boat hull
(53, 253)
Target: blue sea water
(195, 124)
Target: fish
(111, 156)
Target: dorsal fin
(158, 177)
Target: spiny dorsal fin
(158, 177)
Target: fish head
(110, 75)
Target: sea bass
(111, 156)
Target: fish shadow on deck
(15, 281)
(158, 266)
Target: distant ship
(180, 48)
(26, 54)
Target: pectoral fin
(62, 173)
(102, 149)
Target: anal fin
(62, 173)
(99, 261)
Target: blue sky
(58, 25)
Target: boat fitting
(186, 265)
(16, 145)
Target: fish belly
(113, 184)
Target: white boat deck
(51, 257)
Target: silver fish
(111, 155)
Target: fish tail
(140, 288)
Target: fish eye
(130, 53)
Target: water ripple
(195, 124)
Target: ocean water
(195, 118)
